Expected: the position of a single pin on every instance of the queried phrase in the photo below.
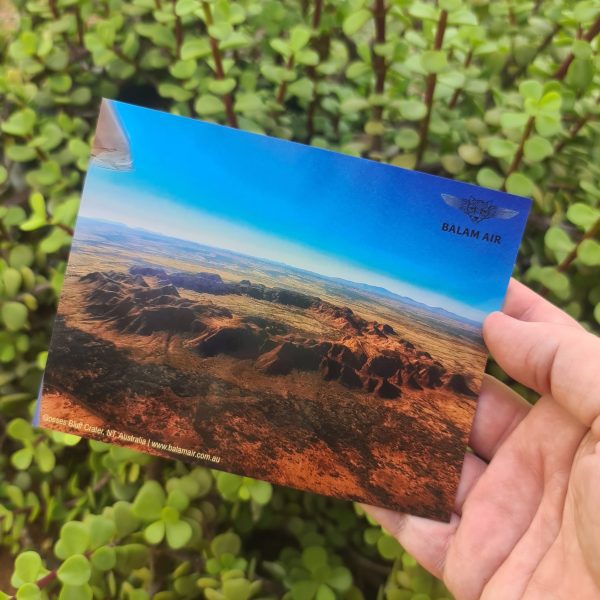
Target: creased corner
(111, 149)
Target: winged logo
(479, 210)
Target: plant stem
(227, 99)
(283, 85)
(591, 233)
(65, 228)
(575, 129)
(312, 74)
(508, 81)
(590, 34)
(316, 19)
(379, 67)
(178, 32)
(458, 91)
(430, 89)
(520, 150)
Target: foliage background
(504, 94)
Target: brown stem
(590, 34)
(227, 99)
(430, 89)
(316, 19)
(545, 42)
(283, 85)
(575, 129)
(458, 91)
(80, 27)
(65, 228)
(53, 8)
(520, 150)
(178, 32)
(312, 73)
(379, 67)
(591, 233)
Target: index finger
(524, 304)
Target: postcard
(282, 312)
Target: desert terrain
(303, 380)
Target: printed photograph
(278, 311)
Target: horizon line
(269, 260)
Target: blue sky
(313, 209)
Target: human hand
(526, 522)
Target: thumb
(586, 494)
(550, 358)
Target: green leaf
(76, 570)
(452, 163)
(356, 21)
(261, 492)
(340, 579)
(531, 89)
(513, 120)
(434, 61)
(44, 457)
(19, 123)
(580, 74)
(237, 589)
(299, 37)
(225, 543)
(20, 256)
(314, 557)
(583, 215)
(248, 103)
(195, 48)
(588, 253)
(76, 592)
(149, 501)
(412, 110)
(74, 538)
(220, 87)
(178, 534)
(3, 174)
(14, 315)
(471, 154)
(552, 279)
(104, 558)
(558, 240)
(170, 90)
(388, 547)
(304, 590)
(101, 529)
(12, 280)
(324, 592)
(28, 566)
(547, 125)
(537, 148)
(406, 138)
(519, 184)
(302, 88)
(207, 104)
(550, 103)
(28, 591)
(501, 148)
(186, 7)
(20, 429)
(20, 153)
(183, 69)
(489, 178)
(597, 312)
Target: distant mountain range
(92, 223)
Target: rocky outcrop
(135, 305)
(240, 342)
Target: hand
(526, 522)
